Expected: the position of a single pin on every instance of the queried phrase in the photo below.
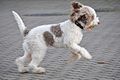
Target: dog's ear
(75, 10)
(76, 5)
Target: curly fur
(66, 34)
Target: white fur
(96, 19)
(35, 47)
(21, 25)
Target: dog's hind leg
(38, 53)
(23, 61)
(37, 57)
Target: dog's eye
(83, 19)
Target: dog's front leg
(81, 50)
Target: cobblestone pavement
(103, 42)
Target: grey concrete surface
(103, 42)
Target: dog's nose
(98, 22)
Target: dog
(67, 34)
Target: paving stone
(103, 42)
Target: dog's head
(84, 15)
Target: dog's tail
(21, 25)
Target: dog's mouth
(90, 28)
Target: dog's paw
(39, 70)
(74, 57)
(23, 69)
(86, 54)
(89, 56)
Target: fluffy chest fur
(72, 33)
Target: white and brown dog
(67, 34)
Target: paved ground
(103, 42)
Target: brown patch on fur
(56, 30)
(75, 10)
(76, 5)
(83, 19)
(48, 38)
(72, 17)
(90, 18)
